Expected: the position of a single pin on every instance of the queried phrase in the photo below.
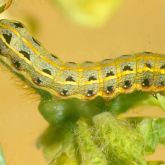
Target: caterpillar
(25, 56)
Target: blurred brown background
(138, 25)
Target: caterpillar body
(24, 55)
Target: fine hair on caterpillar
(24, 55)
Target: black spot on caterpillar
(37, 42)
(146, 83)
(162, 67)
(17, 64)
(55, 57)
(64, 92)
(148, 65)
(90, 93)
(37, 81)
(18, 25)
(7, 37)
(127, 84)
(110, 73)
(127, 68)
(108, 78)
(92, 78)
(26, 54)
(70, 78)
(47, 71)
(109, 89)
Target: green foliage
(104, 140)
(124, 102)
(58, 112)
(89, 152)
(152, 130)
(58, 145)
(88, 132)
(121, 144)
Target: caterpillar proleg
(108, 78)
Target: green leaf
(152, 130)
(161, 100)
(124, 102)
(161, 129)
(58, 145)
(120, 143)
(89, 152)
